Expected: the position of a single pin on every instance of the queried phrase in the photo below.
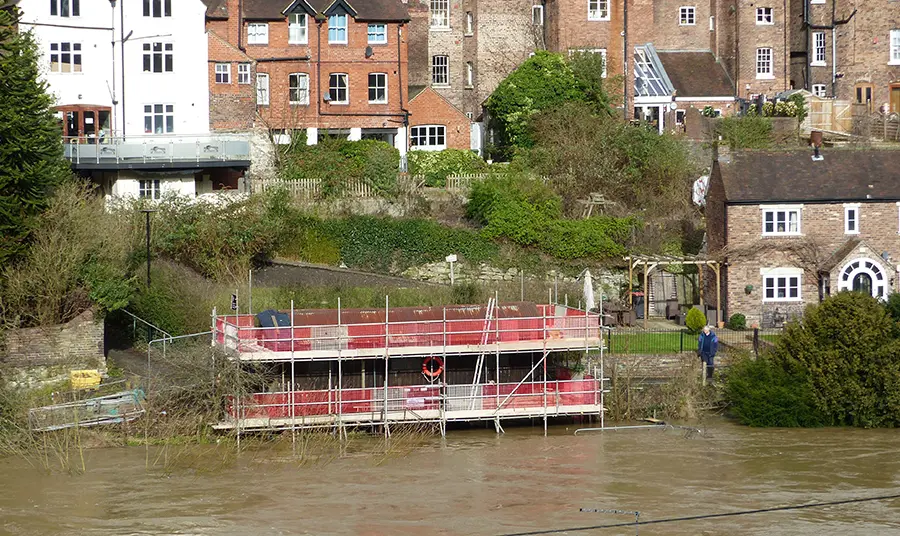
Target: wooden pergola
(649, 262)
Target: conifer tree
(31, 153)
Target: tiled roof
(696, 74)
(842, 175)
(366, 10)
(216, 9)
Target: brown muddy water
(475, 482)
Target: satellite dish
(326, 96)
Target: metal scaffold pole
(545, 372)
(293, 388)
(497, 426)
(340, 381)
(387, 305)
(445, 385)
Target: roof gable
(337, 7)
(751, 177)
(429, 94)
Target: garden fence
(643, 342)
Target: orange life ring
(428, 372)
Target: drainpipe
(625, 57)
(400, 83)
(240, 27)
(122, 52)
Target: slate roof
(216, 9)
(366, 10)
(696, 74)
(753, 177)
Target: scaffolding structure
(495, 333)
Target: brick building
(434, 123)
(849, 50)
(463, 49)
(793, 229)
(742, 44)
(320, 66)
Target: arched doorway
(864, 275)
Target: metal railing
(672, 342)
(149, 149)
(577, 327)
(421, 402)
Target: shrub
(848, 350)
(513, 206)
(760, 393)
(596, 238)
(436, 166)
(543, 82)
(695, 320)
(337, 161)
(747, 132)
(737, 321)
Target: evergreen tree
(31, 153)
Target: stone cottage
(794, 228)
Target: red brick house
(793, 230)
(322, 66)
(435, 124)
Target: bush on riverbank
(838, 366)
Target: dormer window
(781, 220)
(297, 29)
(337, 29)
(851, 218)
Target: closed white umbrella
(588, 291)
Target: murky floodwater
(477, 483)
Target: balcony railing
(157, 149)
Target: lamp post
(147, 212)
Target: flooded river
(475, 482)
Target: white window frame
(262, 89)
(258, 33)
(298, 29)
(818, 44)
(470, 24)
(380, 34)
(243, 73)
(851, 224)
(223, 73)
(597, 9)
(537, 15)
(762, 71)
(160, 112)
(819, 90)
(298, 89)
(440, 14)
(333, 88)
(687, 16)
(894, 42)
(377, 86)
(339, 22)
(765, 16)
(72, 8)
(440, 70)
(817, 1)
(157, 8)
(786, 210)
(787, 279)
(427, 133)
(149, 189)
(75, 65)
(470, 75)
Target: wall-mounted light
(748, 289)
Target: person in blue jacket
(707, 346)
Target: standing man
(707, 346)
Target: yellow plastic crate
(84, 379)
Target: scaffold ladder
(485, 336)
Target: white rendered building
(132, 93)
